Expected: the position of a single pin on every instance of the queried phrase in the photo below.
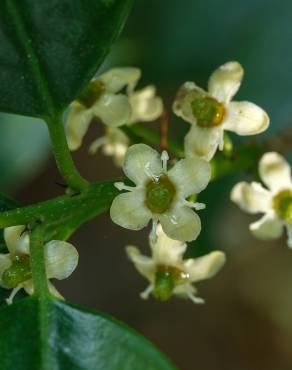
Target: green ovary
(208, 111)
(166, 279)
(159, 195)
(282, 204)
(18, 272)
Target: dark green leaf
(6, 204)
(50, 50)
(57, 335)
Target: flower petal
(61, 259)
(245, 118)
(181, 223)
(113, 110)
(289, 234)
(275, 171)
(166, 251)
(117, 78)
(77, 124)
(204, 267)
(144, 265)
(128, 210)
(191, 175)
(225, 81)
(142, 162)
(252, 198)
(266, 228)
(145, 105)
(202, 142)
(184, 97)
(16, 240)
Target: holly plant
(51, 52)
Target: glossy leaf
(51, 49)
(6, 204)
(58, 335)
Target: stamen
(195, 299)
(164, 158)
(145, 294)
(122, 186)
(197, 206)
(96, 144)
(153, 234)
(9, 300)
(149, 173)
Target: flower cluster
(165, 193)
(61, 259)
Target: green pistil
(159, 195)
(91, 93)
(18, 272)
(166, 278)
(208, 111)
(282, 204)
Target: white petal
(181, 223)
(16, 240)
(202, 142)
(5, 263)
(188, 291)
(275, 171)
(143, 264)
(252, 198)
(166, 251)
(61, 259)
(77, 124)
(113, 110)
(191, 175)
(182, 103)
(289, 234)
(145, 105)
(204, 267)
(142, 162)
(117, 78)
(225, 81)
(245, 118)
(266, 228)
(129, 211)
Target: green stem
(39, 277)
(63, 156)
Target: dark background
(246, 323)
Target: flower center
(166, 278)
(159, 194)
(91, 93)
(208, 111)
(282, 204)
(18, 272)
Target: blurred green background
(246, 323)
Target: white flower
(275, 202)
(212, 112)
(168, 273)
(61, 259)
(160, 194)
(146, 106)
(114, 143)
(102, 99)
